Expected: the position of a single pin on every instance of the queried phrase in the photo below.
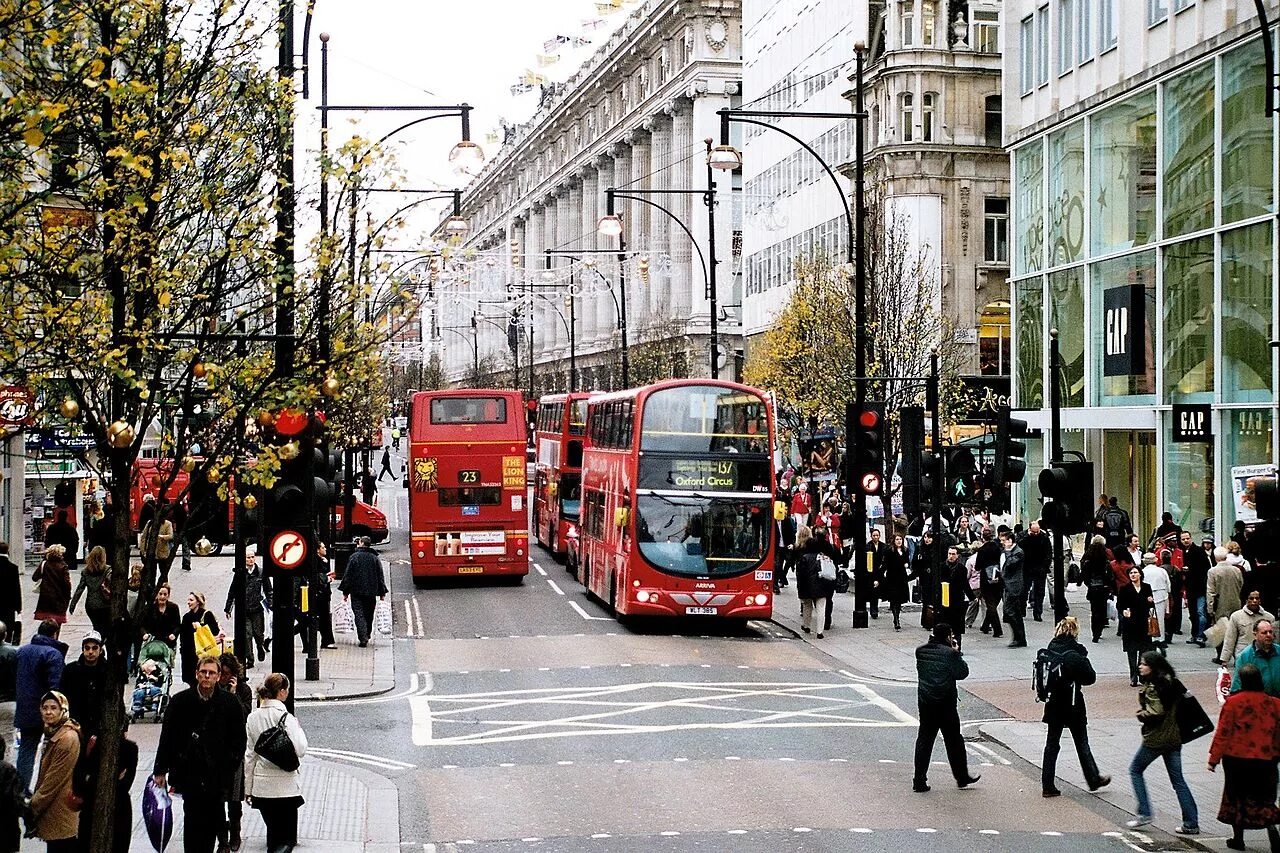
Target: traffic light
(962, 472)
(1067, 489)
(869, 465)
(288, 502)
(931, 481)
(911, 438)
(1266, 498)
(1011, 450)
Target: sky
(419, 52)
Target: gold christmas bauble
(204, 547)
(120, 434)
(266, 419)
(250, 502)
(188, 464)
(199, 370)
(289, 451)
(330, 387)
(69, 408)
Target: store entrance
(1129, 472)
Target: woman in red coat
(1247, 744)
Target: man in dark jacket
(1037, 552)
(874, 553)
(955, 573)
(1015, 591)
(63, 533)
(362, 583)
(201, 745)
(786, 551)
(1195, 580)
(40, 665)
(10, 595)
(1065, 707)
(987, 562)
(939, 665)
(84, 684)
(256, 590)
(8, 667)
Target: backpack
(1114, 521)
(1047, 674)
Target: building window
(994, 121)
(1157, 11)
(1106, 24)
(995, 216)
(1066, 29)
(986, 31)
(1027, 52)
(1179, 5)
(927, 104)
(993, 339)
(928, 20)
(1084, 31)
(1042, 45)
(906, 116)
(907, 22)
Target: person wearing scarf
(53, 819)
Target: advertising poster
(1242, 483)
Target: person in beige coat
(276, 793)
(1240, 627)
(55, 822)
(1222, 596)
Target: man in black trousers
(939, 666)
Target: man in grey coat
(363, 583)
(1015, 588)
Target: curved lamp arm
(685, 228)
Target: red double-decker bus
(677, 483)
(466, 482)
(560, 429)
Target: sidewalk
(1001, 677)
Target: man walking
(1262, 654)
(987, 562)
(1015, 592)
(386, 465)
(201, 746)
(1116, 525)
(1195, 566)
(873, 556)
(363, 581)
(939, 665)
(1037, 554)
(956, 574)
(1069, 671)
(1240, 627)
(10, 596)
(40, 665)
(84, 683)
(255, 587)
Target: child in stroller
(152, 681)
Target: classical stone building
(633, 117)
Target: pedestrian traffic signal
(869, 465)
(962, 473)
(931, 481)
(1011, 450)
(1067, 489)
(911, 439)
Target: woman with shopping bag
(197, 637)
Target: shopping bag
(344, 621)
(1193, 722)
(1223, 685)
(1112, 614)
(206, 642)
(382, 617)
(157, 815)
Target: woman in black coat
(1135, 602)
(196, 615)
(162, 619)
(808, 582)
(894, 588)
(1100, 580)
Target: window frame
(1042, 45)
(1157, 12)
(991, 222)
(906, 117)
(1027, 57)
(1066, 27)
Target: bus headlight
(761, 599)
(643, 596)
(422, 554)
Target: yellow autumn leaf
(34, 137)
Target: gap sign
(1192, 423)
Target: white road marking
(558, 590)
(861, 830)
(988, 832)
(408, 618)
(417, 616)
(371, 700)
(879, 701)
(360, 758)
(541, 570)
(585, 615)
(991, 753)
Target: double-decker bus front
(559, 437)
(466, 482)
(689, 496)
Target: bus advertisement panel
(466, 481)
(677, 486)
(559, 438)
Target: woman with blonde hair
(197, 614)
(808, 580)
(276, 792)
(93, 580)
(1069, 670)
(53, 585)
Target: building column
(688, 209)
(606, 319)
(661, 160)
(588, 325)
(546, 330)
(639, 232)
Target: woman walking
(93, 580)
(895, 589)
(55, 821)
(196, 615)
(1095, 568)
(162, 619)
(808, 582)
(1136, 603)
(275, 792)
(1158, 701)
(1245, 745)
(54, 590)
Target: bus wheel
(513, 580)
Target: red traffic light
(869, 419)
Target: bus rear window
(468, 410)
(471, 496)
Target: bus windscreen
(705, 419)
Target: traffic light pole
(932, 396)
(1060, 608)
(855, 496)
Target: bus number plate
(701, 611)
(470, 570)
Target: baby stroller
(152, 679)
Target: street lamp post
(573, 344)
(619, 309)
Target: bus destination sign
(705, 475)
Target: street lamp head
(466, 158)
(548, 275)
(725, 157)
(457, 226)
(568, 301)
(589, 263)
(610, 225)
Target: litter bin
(342, 552)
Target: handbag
(927, 616)
(275, 746)
(206, 643)
(842, 581)
(1153, 626)
(826, 568)
(1193, 722)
